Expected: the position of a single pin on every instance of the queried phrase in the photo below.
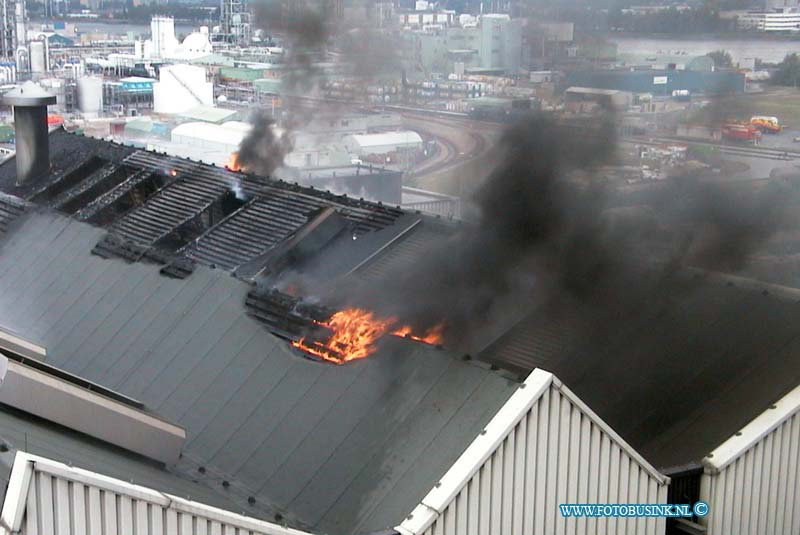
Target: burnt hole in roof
(96, 188)
(129, 195)
(70, 179)
(225, 205)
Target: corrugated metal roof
(341, 449)
(209, 114)
(405, 250)
(207, 132)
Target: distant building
(494, 43)
(389, 142)
(12, 31)
(162, 43)
(783, 19)
(584, 99)
(126, 94)
(235, 21)
(780, 4)
(659, 82)
(420, 19)
(181, 88)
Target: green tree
(721, 58)
(788, 72)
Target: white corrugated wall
(757, 491)
(63, 507)
(50, 498)
(559, 452)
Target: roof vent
(30, 103)
(55, 395)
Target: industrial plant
(366, 267)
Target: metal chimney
(30, 124)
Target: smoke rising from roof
(312, 37)
(548, 227)
(265, 147)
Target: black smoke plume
(305, 26)
(314, 34)
(550, 228)
(265, 147)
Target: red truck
(746, 133)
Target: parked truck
(745, 133)
(767, 125)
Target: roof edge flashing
(20, 346)
(46, 396)
(752, 433)
(599, 422)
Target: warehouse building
(222, 139)
(659, 82)
(384, 143)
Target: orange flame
(233, 162)
(355, 333)
(432, 336)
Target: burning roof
(337, 449)
(355, 333)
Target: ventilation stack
(30, 125)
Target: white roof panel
(406, 137)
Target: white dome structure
(196, 44)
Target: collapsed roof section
(180, 213)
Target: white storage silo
(90, 94)
(38, 57)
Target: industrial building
(388, 142)
(587, 99)
(180, 88)
(235, 25)
(129, 93)
(659, 82)
(493, 44)
(13, 33)
(211, 138)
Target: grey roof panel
(148, 326)
(333, 448)
(442, 449)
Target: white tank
(90, 94)
(38, 58)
